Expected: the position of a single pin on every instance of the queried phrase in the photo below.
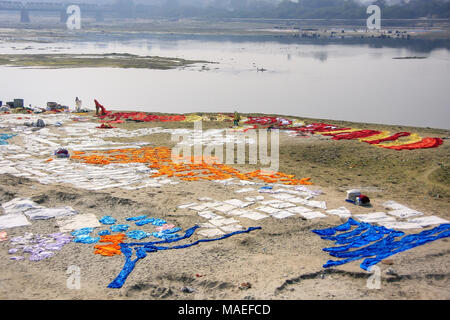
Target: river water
(355, 82)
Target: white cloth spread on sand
(254, 215)
(79, 221)
(282, 214)
(35, 211)
(298, 209)
(400, 210)
(243, 190)
(222, 221)
(342, 212)
(254, 199)
(268, 210)
(313, 215)
(211, 233)
(19, 206)
(225, 208)
(405, 213)
(48, 213)
(283, 196)
(428, 221)
(13, 220)
(208, 215)
(400, 225)
(238, 203)
(375, 217)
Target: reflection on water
(356, 82)
(321, 56)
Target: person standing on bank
(237, 118)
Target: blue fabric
(162, 235)
(136, 218)
(142, 249)
(84, 238)
(173, 230)
(82, 231)
(371, 235)
(4, 137)
(108, 220)
(137, 234)
(341, 237)
(343, 227)
(119, 227)
(104, 233)
(143, 222)
(159, 222)
(374, 243)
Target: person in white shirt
(78, 105)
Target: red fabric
(391, 138)
(364, 199)
(141, 116)
(352, 135)
(423, 144)
(98, 105)
(261, 120)
(105, 126)
(113, 121)
(265, 120)
(318, 127)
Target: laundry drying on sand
(118, 204)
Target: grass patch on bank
(112, 60)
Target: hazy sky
(195, 2)
(180, 1)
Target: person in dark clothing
(237, 118)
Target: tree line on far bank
(303, 9)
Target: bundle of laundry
(62, 153)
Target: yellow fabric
(413, 138)
(206, 118)
(222, 117)
(297, 123)
(193, 118)
(382, 135)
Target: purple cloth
(39, 247)
(41, 255)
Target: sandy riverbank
(283, 260)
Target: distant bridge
(26, 7)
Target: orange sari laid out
(160, 158)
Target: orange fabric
(111, 249)
(160, 158)
(141, 116)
